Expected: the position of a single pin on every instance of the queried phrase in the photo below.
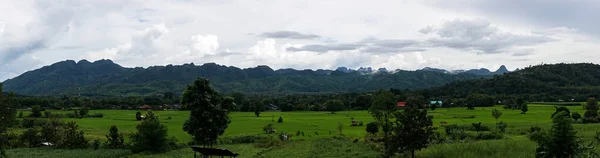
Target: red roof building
(144, 107)
(401, 104)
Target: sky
(300, 34)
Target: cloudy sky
(302, 34)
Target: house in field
(436, 103)
(401, 104)
(145, 107)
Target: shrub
(372, 127)
(36, 111)
(268, 143)
(83, 111)
(114, 138)
(244, 139)
(478, 127)
(576, 116)
(502, 126)
(47, 114)
(489, 136)
(96, 144)
(138, 116)
(31, 138)
(73, 137)
(298, 133)
(280, 120)
(269, 129)
(169, 118)
(21, 114)
(51, 131)
(151, 136)
(360, 123)
(28, 123)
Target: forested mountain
(547, 82)
(104, 77)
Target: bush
(268, 143)
(151, 136)
(269, 129)
(114, 138)
(489, 136)
(502, 126)
(576, 116)
(28, 123)
(47, 114)
(360, 123)
(21, 114)
(372, 127)
(280, 120)
(36, 111)
(138, 116)
(51, 131)
(73, 137)
(31, 138)
(479, 127)
(244, 139)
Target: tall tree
(208, 118)
(591, 111)
(151, 136)
(334, 105)
(7, 116)
(412, 131)
(383, 109)
(561, 141)
(363, 101)
(36, 111)
(496, 114)
(114, 138)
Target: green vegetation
(105, 78)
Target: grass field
(515, 143)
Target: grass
(515, 143)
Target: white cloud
(407, 34)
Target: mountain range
(106, 78)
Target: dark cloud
(580, 14)
(13, 53)
(369, 45)
(478, 35)
(289, 35)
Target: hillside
(104, 77)
(550, 80)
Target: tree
(560, 141)
(496, 114)
(560, 109)
(340, 128)
(576, 116)
(138, 116)
(412, 131)
(114, 138)
(229, 104)
(524, 108)
(363, 101)
(7, 115)
(31, 137)
(208, 118)
(372, 127)
(36, 111)
(73, 137)
(257, 109)
(591, 111)
(52, 131)
(83, 111)
(383, 109)
(334, 105)
(280, 120)
(151, 136)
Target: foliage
(151, 136)
(138, 116)
(269, 129)
(36, 111)
(73, 138)
(53, 131)
(372, 127)
(7, 112)
(114, 138)
(208, 118)
(340, 128)
(576, 116)
(412, 131)
(31, 138)
(105, 78)
(560, 109)
(502, 126)
(20, 114)
(280, 120)
(334, 105)
(244, 139)
(560, 141)
(83, 111)
(496, 114)
(591, 111)
(524, 108)
(382, 109)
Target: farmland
(325, 125)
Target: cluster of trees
(7, 116)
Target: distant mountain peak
(502, 70)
